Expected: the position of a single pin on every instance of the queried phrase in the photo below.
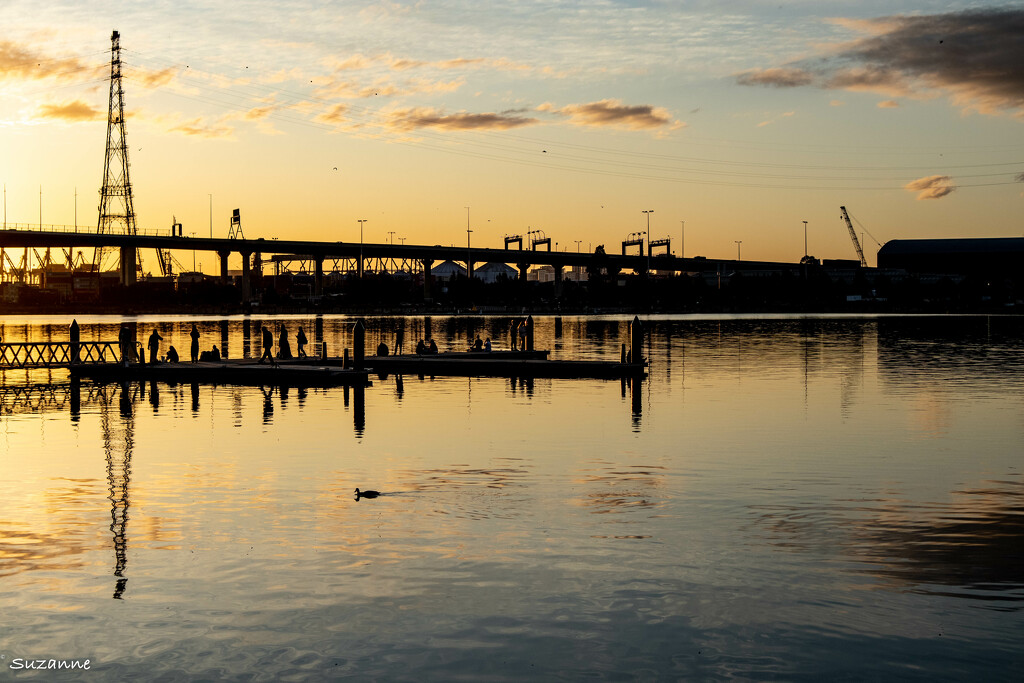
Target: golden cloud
(71, 111)
(931, 187)
(615, 113)
(425, 117)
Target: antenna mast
(116, 211)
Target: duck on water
(366, 494)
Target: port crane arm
(853, 236)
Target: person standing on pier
(195, 343)
(284, 351)
(400, 339)
(268, 346)
(513, 332)
(154, 346)
(300, 343)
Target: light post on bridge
(361, 221)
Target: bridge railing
(47, 227)
(57, 354)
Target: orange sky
(569, 117)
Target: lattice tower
(117, 212)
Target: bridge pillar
(318, 276)
(523, 267)
(558, 279)
(246, 277)
(127, 267)
(257, 272)
(224, 266)
(427, 277)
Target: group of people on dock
(129, 353)
(284, 347)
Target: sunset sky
(741, 118)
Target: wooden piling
(636, 340)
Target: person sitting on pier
(421, 348)
(382, 349)
(172, 355)
(154, 346)
(300, 344)
(268, 346)
(284, 351)
(215, 354)
(433, 347)
(478, 345)
(487, 345)
(195, 343)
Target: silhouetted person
(399, 341)
(300, 344)
(421, 348)
(487, 345)
(478, 345)
(195, 343)
(154, 345)
(124, 340)
(522, 336)
(433, 346)
(172, 355)
(513, 332)
(215, 353)
(382, 349)
(284, 351)
(268, 346)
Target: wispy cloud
(70, 111)
(203, 128)
(22, 62)
(888, 104)
(425, 117)
(931, 187)
(779, 77)
(615, 113)
(973, 57)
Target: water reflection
(971, 547)
(118, 442)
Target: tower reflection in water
(118, 442)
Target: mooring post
(323, 350)
(358, 345)
(622, 359)
(75, 336)
(636, 339)
(529, 333)
(346, 363)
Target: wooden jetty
(501, 364)
(226, 371)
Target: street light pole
(738, 243)
(682, 239)
(361, 221)
(805, 238)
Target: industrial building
(988, 255)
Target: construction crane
(853, 236)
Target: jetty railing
(57, 354)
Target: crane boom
(853, 236)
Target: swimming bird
(367, 494)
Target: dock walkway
(226, 371)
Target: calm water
(781, 499)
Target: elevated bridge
(255, 251)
